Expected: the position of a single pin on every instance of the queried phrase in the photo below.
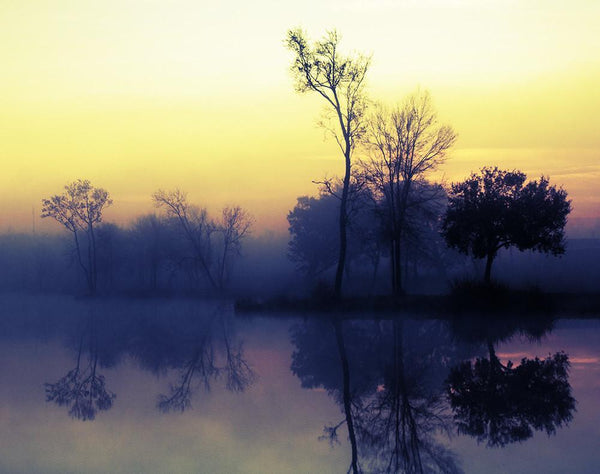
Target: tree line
(385, 208)
(182, 243)
(386, 204)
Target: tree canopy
(496, 209)
(79, 209)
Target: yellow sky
(137, 95)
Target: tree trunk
(339, 274)
(488, 268)
(397, 266)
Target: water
(185, 386)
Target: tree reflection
(209, 353)
(501, 404)
(83, 390)
(389, 382)
(197, 341)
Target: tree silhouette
(339, 80)
(213, 243)
(502, 404)
(312, 228)
(403, 144)
(496, 209)
(79, 209)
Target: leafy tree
(404, 144)
(496, 209)
(339, 80)
(312, 226)
(80, 209)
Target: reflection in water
(502, 404)
(200, 363)
(197, 341)
(388, 379)
(83, 390)
(400, 386)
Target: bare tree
(404, 144)
(214, 242)
(235, 224)
(339, 80)
(195, 225)
(79, 209)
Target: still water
(181, 386)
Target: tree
(339, 80)
(194, 223)
(214, 242)
(79, 209)
(403, 144)
(312, 227)
(234, 224)
(496, 209)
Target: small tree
(496, 209)
(339, 80)
(79, 209)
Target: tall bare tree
(404, 144)
(79, 209)
(339, 80)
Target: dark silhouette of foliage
(339, 80)
(80, 209)
(496, 209)
(312, 226)
(501, 404)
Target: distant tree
(80, 209)
(214, 242)
(312, 229)
(312, 226)
(403, 144)
(194, 223)
(339, 80)
(496, 209)
(232, 227)
(149, 237)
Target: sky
(137, 95)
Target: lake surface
(161, 386)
